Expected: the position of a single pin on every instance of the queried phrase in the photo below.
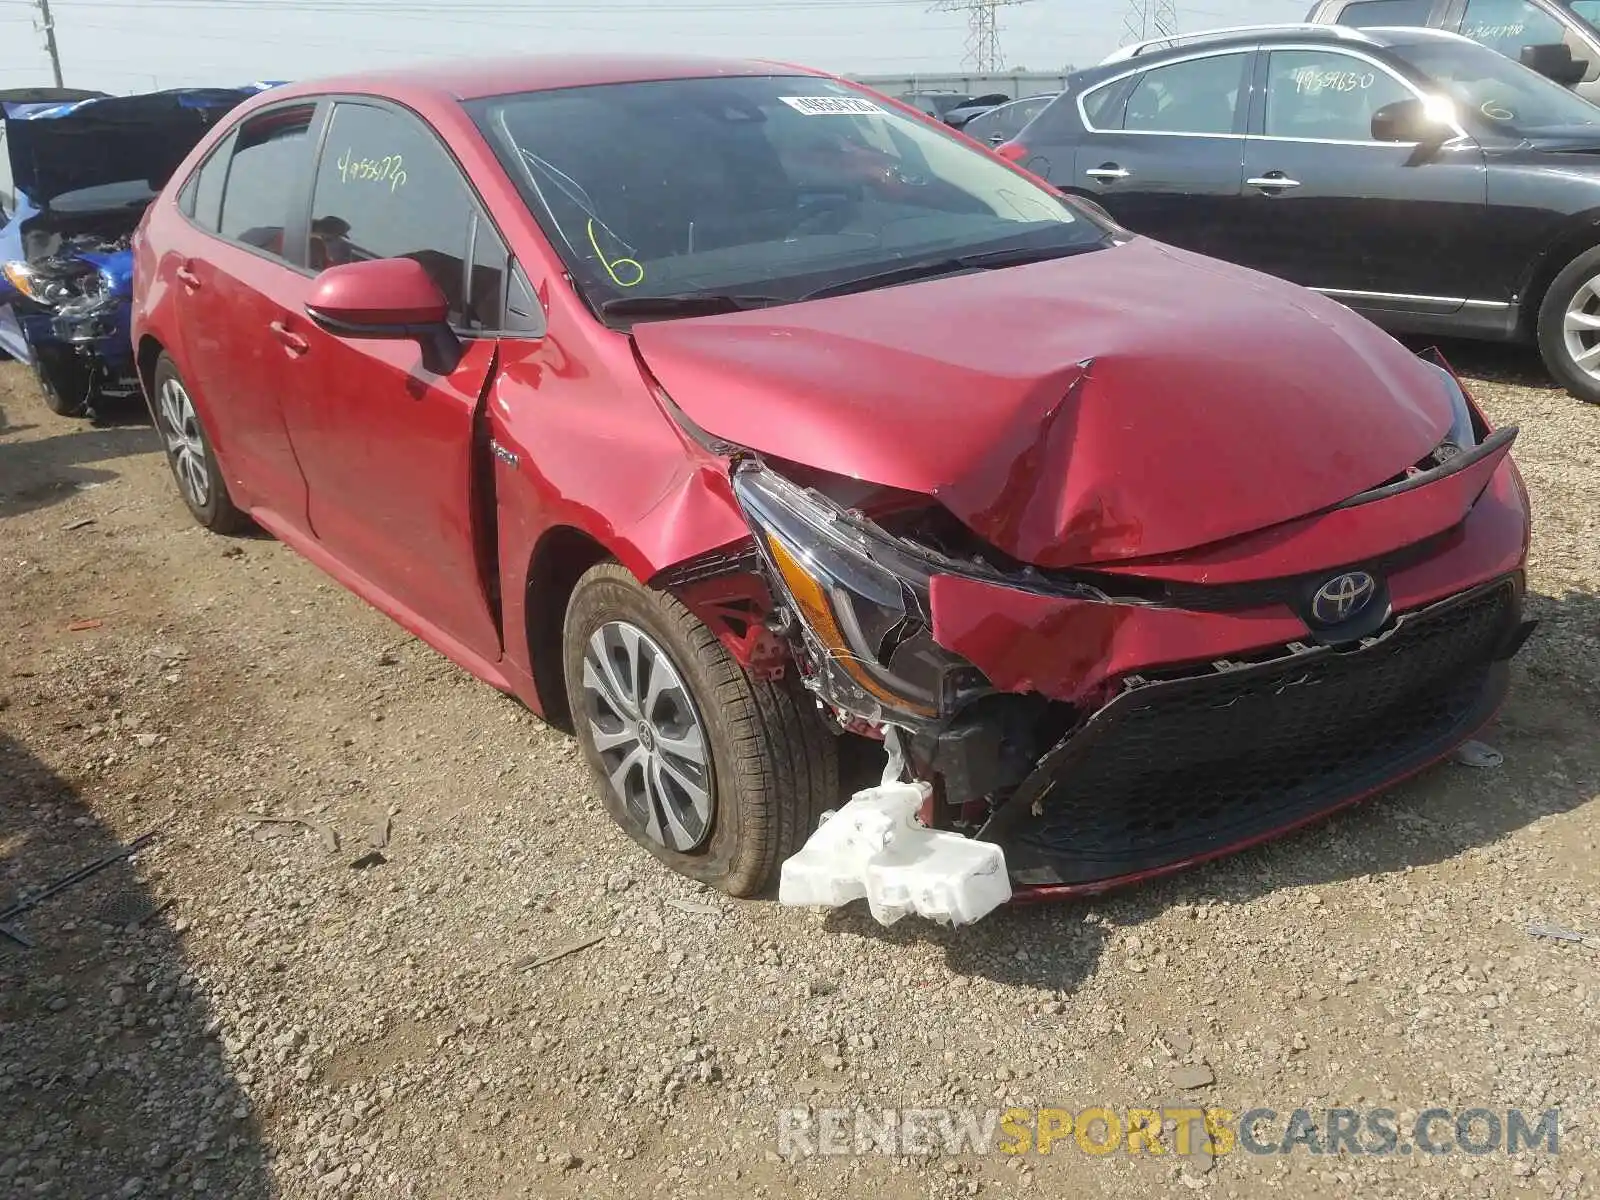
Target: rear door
(1380, 224)
(387, 445)
(1163, 148)
(243, 203)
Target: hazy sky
(137, 45)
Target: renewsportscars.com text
(1173, 1129)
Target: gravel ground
(345, 1006)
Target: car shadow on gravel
(38, 472)
(1552, 765)
(113, 1081)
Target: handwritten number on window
(389, 169)
(1310, 81)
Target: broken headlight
(1464, 423)
(51, 285)
(861, 599)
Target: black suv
(1429, 183)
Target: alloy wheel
(649, 735)
(181, 428)
(1580, 328)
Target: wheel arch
(145, 356)
(1577, 237)
(559, 559)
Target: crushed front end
(72, 307)
(1111, 722)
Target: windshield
(1493, 91)
(770, 185)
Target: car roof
(1156, 49)
(474, 79)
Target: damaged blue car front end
(76, 174)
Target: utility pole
(50, 40)
(1144, 19)
(983, 31)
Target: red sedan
(723, 410)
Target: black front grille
(1185, 767)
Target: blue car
(77, 171)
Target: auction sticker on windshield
(832, 106)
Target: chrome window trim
(1142, 68)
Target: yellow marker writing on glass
(632, 271)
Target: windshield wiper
(685, 304)
(987, 260)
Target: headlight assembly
(861, 600)
(1464, 423)
(52, 287)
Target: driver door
(1379, 224)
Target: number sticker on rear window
(832, 106)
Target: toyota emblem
(1342, 597)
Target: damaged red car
(726, 410)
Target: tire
(189, 454)
(773, 765)
(64, 381)
(1577, 287)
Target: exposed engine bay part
(875, 849)
(50, 243)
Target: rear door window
(265, 179)
(1198, 95)
(386, 188)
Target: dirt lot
(288, 1023)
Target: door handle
(1273, 181)
(1108, 173)
(292, 342)
(187, 277)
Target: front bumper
(1200, 730)
(1178, 770)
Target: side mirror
(387, 298)
(1555, 62)
(1407, 121)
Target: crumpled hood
(60, 148)
(1121, 403)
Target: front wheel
(65, 381)
(189, 454)
(1569, 327)
(718, 775)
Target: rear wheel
(194, 466)
(64, 381)
(719, 775)
(1569, 327)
